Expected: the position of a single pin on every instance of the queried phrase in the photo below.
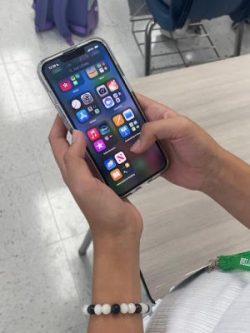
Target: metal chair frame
(145, 45)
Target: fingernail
(75, 136)
(136, 145)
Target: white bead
(98, 309)
(124, 308)
(85, 310)
(131, 308)
(144, 308)
(106, 309)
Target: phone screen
(97, 101)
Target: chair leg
(86, 243)
(148, 37)
(239, 38)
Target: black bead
(115, 309)
(138, 308)
(91, 309)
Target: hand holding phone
(110, 218)
(92, 95)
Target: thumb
(165, 129)
(74, 158)
(78, 146)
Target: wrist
(217, 171)
(116, 272)
(116, 247)
(122, 239)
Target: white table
(183, 229)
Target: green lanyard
(240, 261)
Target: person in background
(184, 31)
(197, 163)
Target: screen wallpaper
(97, 101)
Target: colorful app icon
(116, 175)
(76, 79)
(120, 157)
(91, 72)
(87, 98)
(108, 102)
(110, 164)
(112, 85)
(102, 90)
(118, 120)
(117, 97)
(102, 67)
(124, 131)
(128, 114)
(104, 129)
(99, 145)
(93, 134)
(76, 104)
(134, 125)
(65, 85)
(126, 168)
(82, 116)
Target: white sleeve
(213, 303)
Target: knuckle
(145, 128)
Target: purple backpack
(69, 16)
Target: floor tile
(28, 220)
(10, 230)
(81, 267)
(8, 106)
(27, 45)
(38, 294)
(69, 218)
(29, 92)
(16, 155)
(43, 44)
(38, 125)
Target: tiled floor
(43, 282)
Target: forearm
(116, 279)
(229, 185)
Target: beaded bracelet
(124, 308)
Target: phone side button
(54, 101)
(64, 119)
(67, 124)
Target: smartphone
(91, 93)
